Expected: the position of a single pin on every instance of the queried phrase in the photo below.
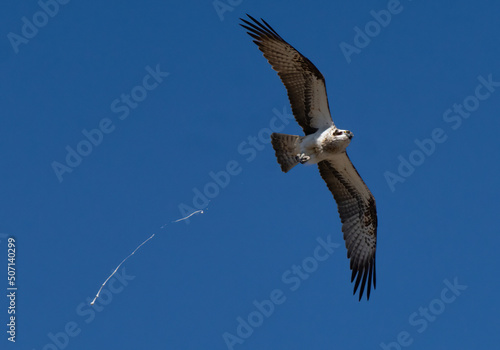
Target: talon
(302, 158)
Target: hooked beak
(349, 134)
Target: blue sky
(169, 105)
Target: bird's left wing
(358, 213)
(303, 81)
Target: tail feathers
(286, 148)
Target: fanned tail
(286, 148)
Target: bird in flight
(323, 144)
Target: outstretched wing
(304, 82)
(356, 206)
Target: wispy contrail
(136, 249)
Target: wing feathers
(304, 82)
(358, 214)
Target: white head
(343, 134)
(337, 140)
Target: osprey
(323, 144)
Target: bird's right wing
(304, 82)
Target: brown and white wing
(304, 82)
(358, 213)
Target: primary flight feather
(323, 144)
